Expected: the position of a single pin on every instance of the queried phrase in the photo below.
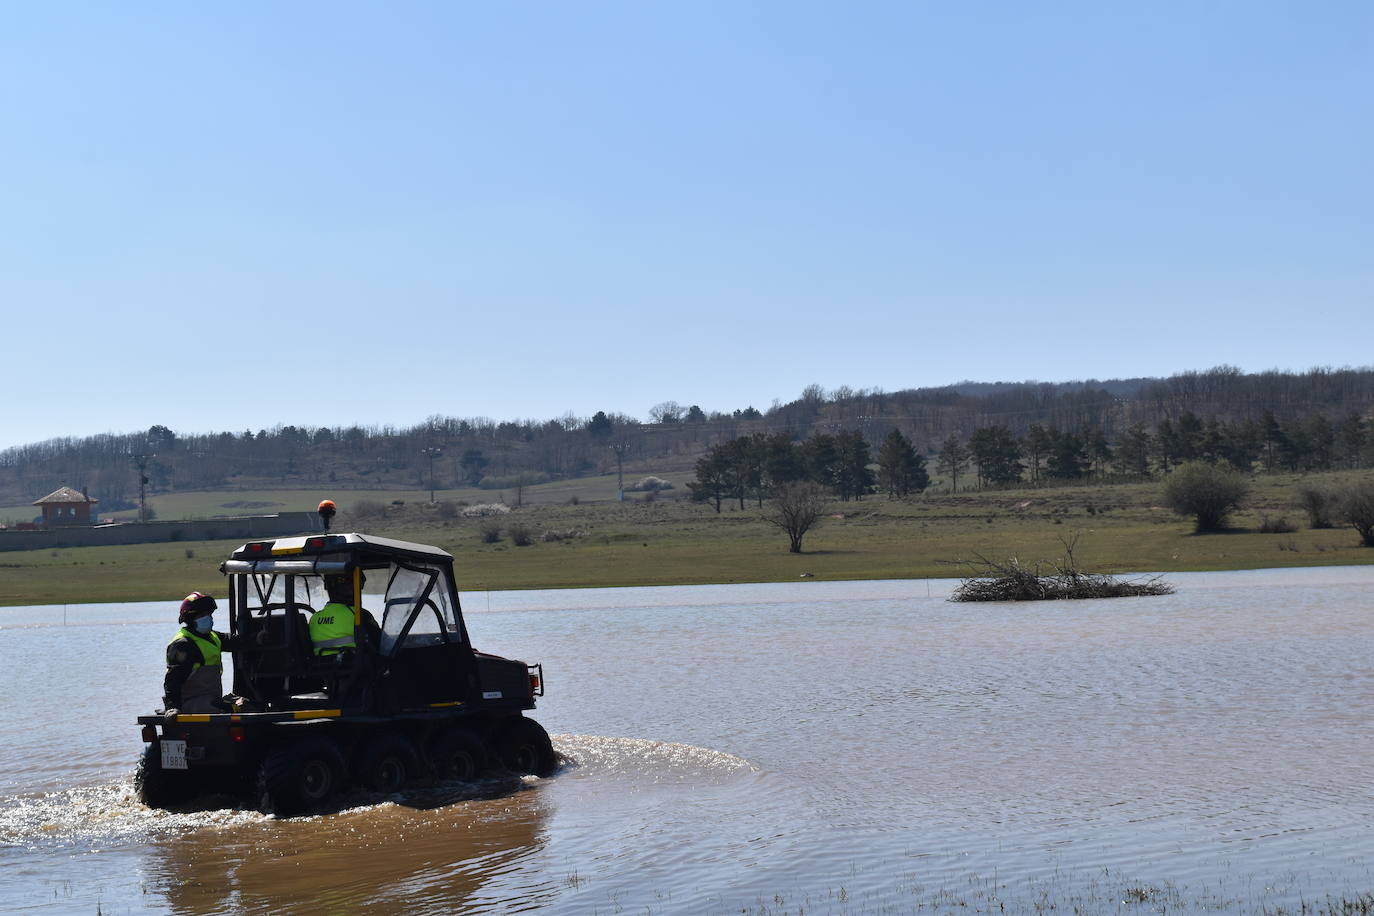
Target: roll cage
(275, 586)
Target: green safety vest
(209, 647)
(331, 629)
(203, 685)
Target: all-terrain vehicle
(411, 700)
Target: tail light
(149, 734)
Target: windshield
(418, 609)
(275, 592)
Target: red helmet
(195, 605)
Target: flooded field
(806, 747)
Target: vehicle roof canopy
(342, 549)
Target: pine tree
(952, 459)
(901, 469)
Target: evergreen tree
(713, 474)
(1068, 458)
(1322, 437)
(1274, 440)
(744, 469)
(820, 456)
(1037, 446)
(1099, 451)
(1352, 441)
(1188, 437)
(1166, 444)
(952, 459)
(997, 454)
(600, 425)
(1132, 456)
(1240, 445)
(852, 475)
(782, 461)
(901, 469)
(1296, 450)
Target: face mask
(203, 624)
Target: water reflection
(383, 858)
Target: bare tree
(667, 412)
(796, 508)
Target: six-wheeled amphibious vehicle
(410, 700)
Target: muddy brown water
(801, 747)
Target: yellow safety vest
(204, 684)
(208, 645)
(331, 629)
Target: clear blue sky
(230, 216)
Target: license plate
(174, 755)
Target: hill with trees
(970, 434)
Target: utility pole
(620, 448)
(433, 452)
(141, 462)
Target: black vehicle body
(413, 699)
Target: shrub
(446, 509)
(1319, 503)
(520, 535)
(1205, 491)
(1357, 508)
(1278, 525)
(553, 536)
(490, 532)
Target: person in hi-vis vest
(194, 682)
(331, 627)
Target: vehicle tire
(524, 747)
(299, 775)
(159, 788)
(388, 764)
(457, 754)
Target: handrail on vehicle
(298, 567)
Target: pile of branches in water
(1010, 581)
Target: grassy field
(671, 541)
(209, 504)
